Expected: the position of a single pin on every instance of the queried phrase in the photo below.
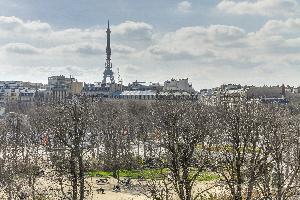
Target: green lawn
(152, 173)
(208, 176)
(134, 174)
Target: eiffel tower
(108, 65)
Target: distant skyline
(211, 42)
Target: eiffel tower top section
(108, 49)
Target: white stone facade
(178, 85)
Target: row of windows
(151, 97)
(146, 97)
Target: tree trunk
(32, 184)
(74, 177)
(10, 197)
(239, 179)
(145, 149)
(81, 176)
(138, 148)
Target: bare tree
(159, 189)
(183, 126)
(70, 126)
(14, 154)
(141, 125)
(238, 147)
(282, 168)
(115, 135)
(252, 150)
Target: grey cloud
(122, 49)
(179, 54)
(129, 69)
(90, 50)
(21, 48)
(224, 33)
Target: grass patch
(208, 176)
(152, 174)
(134, 174)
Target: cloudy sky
(253, 42)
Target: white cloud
(13, 29)
(129, 27)
(208, 55)
(184, 7)
(259, 7)
(280, 37)
(42, 48)
(18, 25)
(223, 53)
(286, 28)
(137, 34)
(197, 41)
